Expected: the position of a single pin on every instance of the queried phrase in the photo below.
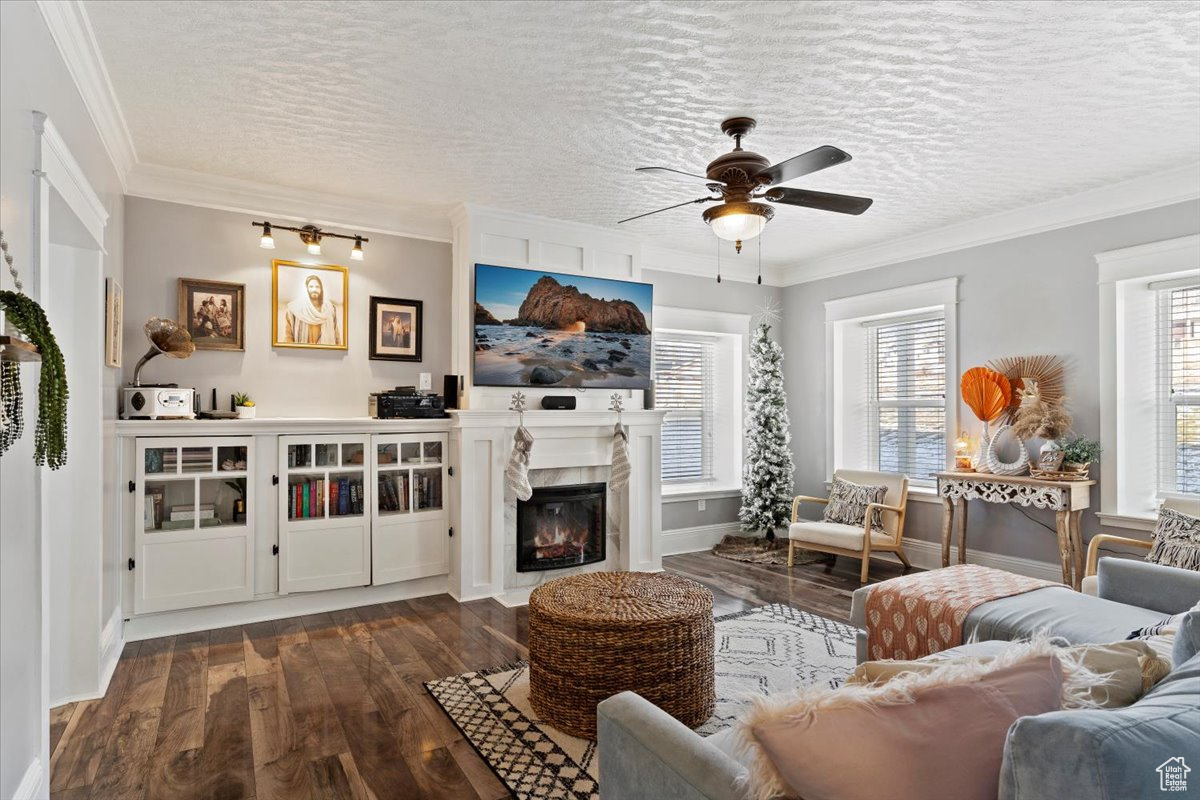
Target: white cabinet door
(325, 497)
(193, 541)
(409, 524)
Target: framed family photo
(214, 313)
(308, 305)
(396, 329)
(114, 301)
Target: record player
(160, 401)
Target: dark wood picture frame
(388, 311)
(203, 334)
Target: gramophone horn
(167, 337)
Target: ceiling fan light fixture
(738, 222)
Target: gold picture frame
(297, 321)
(213, 313)
(114, 314)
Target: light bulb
(267, 242)
(314, 248)
(356, 253)
(733, 227)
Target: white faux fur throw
(516, 474)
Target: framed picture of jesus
(309, 305)
(396, 329)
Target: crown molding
(72, 33)
(742, 269)
(1139, 194)
(280, 202)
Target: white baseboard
(693, 540)
(170, 623)
(30, 787)
(928, 555)
(111, 645)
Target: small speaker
(553, 402)
(451, 384)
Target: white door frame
(56, 171)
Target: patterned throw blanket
(916, 615)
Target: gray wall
(686, 291)
(168, 241)
(34, 77)
(1035, 294)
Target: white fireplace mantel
(482, 441)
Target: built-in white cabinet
(409, 523)
(325, 509)
(193, 529)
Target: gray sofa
(646, 754)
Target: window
(1178, 334)
(1149, 380)
(890, 356)
(699, 365)
(907, 400)
(683, 375)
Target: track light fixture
(311, 235)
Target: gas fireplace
(561, 526)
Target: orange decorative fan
(986, 392)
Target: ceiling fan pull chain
(760, 260)
(718, 260)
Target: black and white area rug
(767, 650)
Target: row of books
(392, 498)
(307, 497)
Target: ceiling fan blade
(841, 203)
(805, 164)
(678, 172)
(668, 208)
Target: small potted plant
(1078, 453)
(244, 405)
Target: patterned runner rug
(767, 650)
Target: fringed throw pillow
(1176, 540)
(848, 503)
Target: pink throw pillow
(936, 735)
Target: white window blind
(907, 396)
(683, 376)
(1178, 336)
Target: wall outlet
(426, 381)
(700, 505)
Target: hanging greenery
(12, 423)
(50, 435)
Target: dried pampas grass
(1038, 417)
(1048, 372)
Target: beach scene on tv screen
(535, 328)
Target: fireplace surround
(562, 526)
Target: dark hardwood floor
(332, 705)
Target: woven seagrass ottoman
(599, 633)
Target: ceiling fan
(740, 178)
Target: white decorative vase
(979, 460)
(998, 467)
(246, 412)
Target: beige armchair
(1088, 585)
(856, 541)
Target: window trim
(1117, 269)
(730, 403)
(905, 302)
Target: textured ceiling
(951, 111)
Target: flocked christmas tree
(767, 474)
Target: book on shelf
(344, 496)
(188, 524)
(333, 497)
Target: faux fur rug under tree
(760, 550)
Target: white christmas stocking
(620, 459)
(516, 474)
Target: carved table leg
(960, 521)
(1062, 526)
(947, 522)
(1077, 548)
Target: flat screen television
(551, 330)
